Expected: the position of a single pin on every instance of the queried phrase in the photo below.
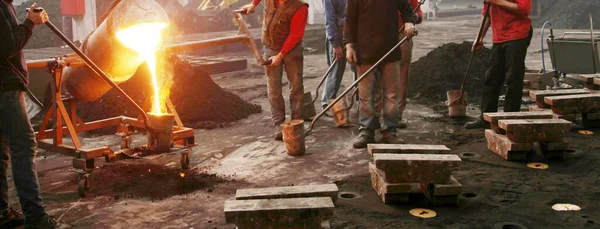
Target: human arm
(350, 27)
(297, 27)
(478, 43)
(419, 12)
(408, 17)
(519, 8)
(13, 39)
(333, 34)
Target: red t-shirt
(298, 24)
(507, 26)
(414, 4)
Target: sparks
(145, 39)
(182, 175)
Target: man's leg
(369, 120)
(492, 84)
(334, 79)
(390, 78)
(18, 132)
(406, 49)
(274, 75)
(293, 63)
(4, 159)
(515, 52)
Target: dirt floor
(151, 192)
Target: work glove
(247, 9)
(410, 30)
(351, 54)
(37, 18)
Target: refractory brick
(505, 148)
(407, 148)
(323, 190)
(417, 168)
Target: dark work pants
(293, 65)
(507, 63)
(20, 148)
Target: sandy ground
(151, 193)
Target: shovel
(462, 87)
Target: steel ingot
(293, 137)
(309, 107)
(160, 132)
(105, 50)
(341, 113)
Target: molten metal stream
(145, 39)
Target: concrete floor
(243, 155)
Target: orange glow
(182, 175)
(145, 39)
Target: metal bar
(64, 150)
(250, 42)
(335, 62)
(205, 43)
(44, 125)
(95, 68)
(68, 60)
(57, 139)
(85, 127)
(593, 46)
(174, 112)
(312, 124)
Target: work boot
(477, 124)
(44, 222)
(362, 141)
(390, 138)
(11, 218)
(402, 124)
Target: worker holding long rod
(17, 138)
(511, 36)
(335, 13)
(283, 30)
(370, 31)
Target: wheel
(185, 161)
(83, 185)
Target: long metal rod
(335, 62)
(312, 124)
(479, 35)
(95, 68)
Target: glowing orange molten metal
(145, 39)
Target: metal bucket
(341, 113)
(308, 107)
(160, 132)
(293, 137)
(105, 50)
(458, 108)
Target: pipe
(111, 56)
(205, 43)
(543, 59)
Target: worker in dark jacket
(16, 133)
(283, 30)
(512, 32)
(371, 30)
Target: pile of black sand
(199, 101)
(443, 69)
(569, 14)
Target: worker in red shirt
(511, 35)
(283, 30)
(405, 61)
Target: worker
(405, 60)
(511, 36)
(283, 30)
(370, 31)
(335, 13)
(15, 129)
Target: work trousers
(18, 145)
(378, 91)
(506, 63)
(334, 79)
(406, 50)
(293, 64)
